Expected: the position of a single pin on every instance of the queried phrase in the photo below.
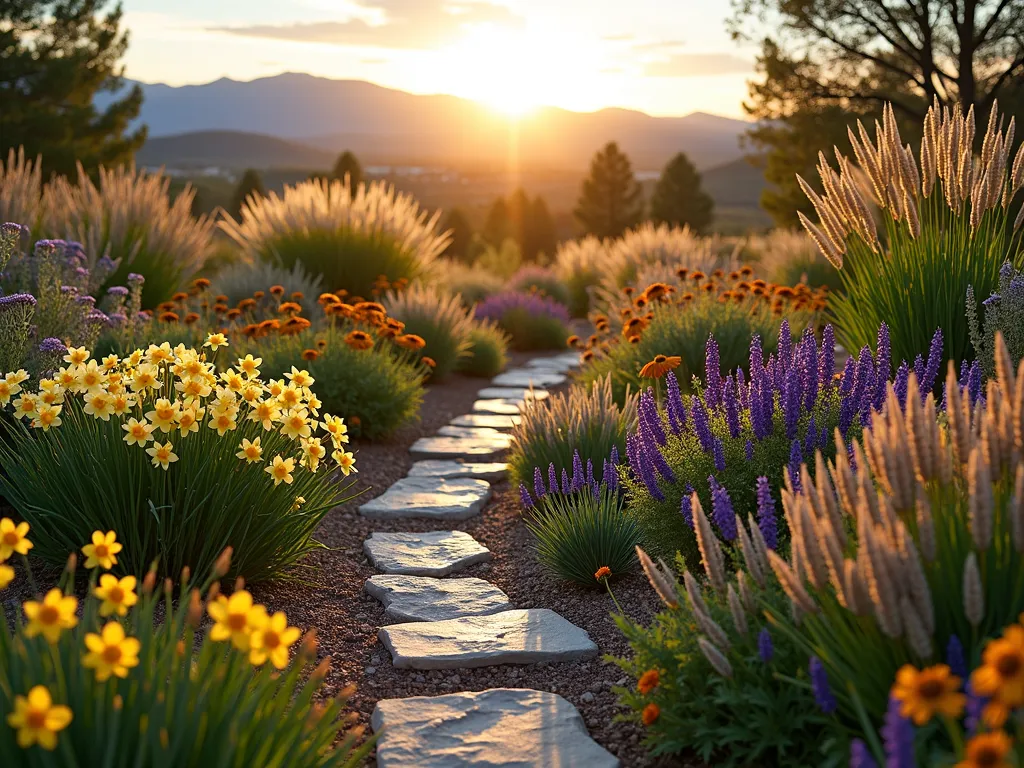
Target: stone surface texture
(456, 498)
(487, 420)
(496, 728)
(449, 430)
(421, 598)
(498, 405)
(492, 470)
(511, 637)
(468, 448)
(512, 393)
(528, 377)
(434, 553)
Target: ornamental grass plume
(577, 265)
(21, 189)
(88, 689)
(439, 319)
(946, 222)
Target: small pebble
(587, 697)
(370, 670)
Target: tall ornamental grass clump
(907, 552)
(580, 422)
(788, 257)
(945, 228)
(179, 459)
(130, 218)
(541, 280)
(531, 320)
(439, 319)
(21, 189)
(129, 679)
(350, 237)
(240, 280)
(1002, 313)
(578, 264)
(487, 354)
(736, 440)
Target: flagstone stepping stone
(494, 470)
(434, 553)
(456, 498)
(489, 420)
(474, 432)
(556, 364)
(524, 377)
(421, 598)
(511, 637)
(513, 393)
(497, 728)
(499, 405)
(469, 448)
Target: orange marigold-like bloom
(746, 270)
(321, 343)
(784, 293)
(201, 283)
(718, 272)
(573, 341)
(190, 318)
(651, 714)
(640, 302)
(660, 365)
(429, 362)
(289, 306)
(410, 341)
(257, 295)
(179, 296)
(354, 421)
(233, 313)
(648, 681)
(327, 298)
(359, 340)
(587, 356)
(634, 339)
(923, 693)
(697, 276)
(277, 290)
(165, 306)
(168, 317)
(310, 354)
(603, 572)
(249, 330)
(682, 272)
(656, 291)
(220, 309)
(246, 304)
(987, 750)
(298, 296)
(294, 325)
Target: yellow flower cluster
(12, 542)
(251, 629)
(161, 390)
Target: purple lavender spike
(712, 373)
(732, 407)
(811, 437)
(656, 460)
(748, 450)
(649, 418)
(719, 455)
(686, 506)
(642, 468)
(701, 423)
(538, 483)
(590, 471)
(919, 369)
(674, 404)
(578, 478)
(898, 737)
(613, 457)
(901, 382)
(791, 402)
(883, 367)
(756, 357)
(931, 370)
(722, 511)
(766, 513)
(793, 468)
(524, 497)
(827, 358)
(566, 485)
(742, 392)
(974, 390)
(785, 345)
(552, 478)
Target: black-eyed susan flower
(111, 653)
(51, 616)
(277, 290)
(410, 341)
(13, 539)
(428, 361)
(987, 750)
(271, 641)
(923, 693)
(116, 595)
(1001, 676)
(659, 366)
(37, 719)
(102, 550)
(281, 470)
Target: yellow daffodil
(146, 376)
(189, 366)
(163, 455)
(19, 376)
(300, 378)
(121, 403)
(138, 432)
(115, 386)
(312, 452)
(55, 613)
(265, 412)
(25, 406)
(110, 363)
(193, 388)
(290, 397)
(118, 595)
(77, 355)
(235, 618)
(215, 341)
(312, 402)
(233, 380)
(189, 418)
(164, 414)
(91, 377)
(346, 461)
(37, 720)
(47, 416)
(6, 576)
(99, 404)
(251, 392)
(251, 452)
(111, 653)
(297, 504)
(161, 354)
(296, 424)
(275, 387)
(13, 539)
(6, 391)
(281, 470)
(250, 365)
(102, 550)
(272, 640)
(68, 378)
(335, 426)
(50, 392)
(134, 358)
(223, 422)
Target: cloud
(698, 65)
(408, 24)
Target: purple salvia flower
(860, 755)
(756, 358)
(883, 365)
(701, 424)
(649, 418)
(955, 657)
(722, 511)
(552, 478)
(974, 383)
(766, 513)
(741, 388)
(811, 437)
(538, 483)
(524, 497)
(590, 471)
(785, 345)
(642, 468)
(712, 373)
(823, 439)
(718, 454)
(864, 390)
(764, 645)
(898, 737)
(791, 402)
(566, 485)
(686, 506)
(748, 450)
(577, 472)
(732, 407)
(613, 457)
(827, 358)
(656, 460)
(809, 369)
(819, 684)
(919, 369)
(931, 370)
(793, 468)
(849, 378)
(674, 404)
(900, 383)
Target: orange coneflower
(682, 272)
(429, 362)
(634, 339)
(248, 330)
(321, 343)
(734, 276)
(573, 341)
(246, 304)
(165, 306)
(297, 296)
(201, 283)
(310, 354)
(354, 421)
(660, 365)
(687, 296)
(784, 292)
(708, 287)
(277, 290)
(746, 270)
(294, 325)
(359, 340)
(327, 298)
(625, 312)
(640, 302)
(190, 318)
(697, 276)
(410, 341)
(719, 273)
(401, 283)
(233, 314)
(220, 309)
(628, 290)
(221, 298)
(759, 282)
(656, 291)
(587, 356)
(602, 325)
(179, 296)
(168, 317)
(257, 295)
(289, 306)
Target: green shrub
(177, 697)
(753, 716)
(534, 279)
(241, 280)
(942, 233)
(533, 321)
(472, 283)
(787, 258)
(581, 421)
(577, 534)
(439, 319)
(487, 354)
(131, 219)
(578, 265)
(1003, 313)
(348, 238)
(178, 493)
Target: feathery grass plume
(472, 284)
(925, 525)
(701, 614)
(746, 592)
(436, 317)
(791, 583)
(487, 354)
(715, 657)
(350, 237)
(760, 545)
(974, 594)
(750, 555)
(935, 246)
(21, 185)
(579, 420)
(130, 218)
(739, 617)
(539, 280)
(661, 581)
(979, 500)
(710, 549)
(578, 265)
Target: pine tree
(498, 225)
(611, 201)
(249, 185)
(462, 234)
(348, 165)
(539, 237)
(678, 198)
(56, 58)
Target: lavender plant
(736, 440)
(533, 321)
(1003, 313)
(536, 279)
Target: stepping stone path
(421, 598)
(439, 498)
(510, 637)
(499, 727)
(466, 622)
(436, 553)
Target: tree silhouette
(462, 234)
(539, 235)
(678, 198)
(249, 185)
(611, 201)
(498, 224)
(56, 58)
(348, 165)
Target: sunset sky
(662, 57)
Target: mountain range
(300, 120)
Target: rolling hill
(231, 150)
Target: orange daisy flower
(660, 365)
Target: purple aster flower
(766, 513)
(117, 290)
(712, 373)
(686, 506)
(95, 317)
(135, 279)
(955, 657)
(722, 510)
(819, 684)
(898, 737)
(524, 497)
(718, 454)
(793, 468)
(860, 755)
(117, 319)
(11, 230)
(765, 649)
(931, 370)
(52, 346)
(674, 404)
(732, 407)
(538, 483)
(85, 300)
